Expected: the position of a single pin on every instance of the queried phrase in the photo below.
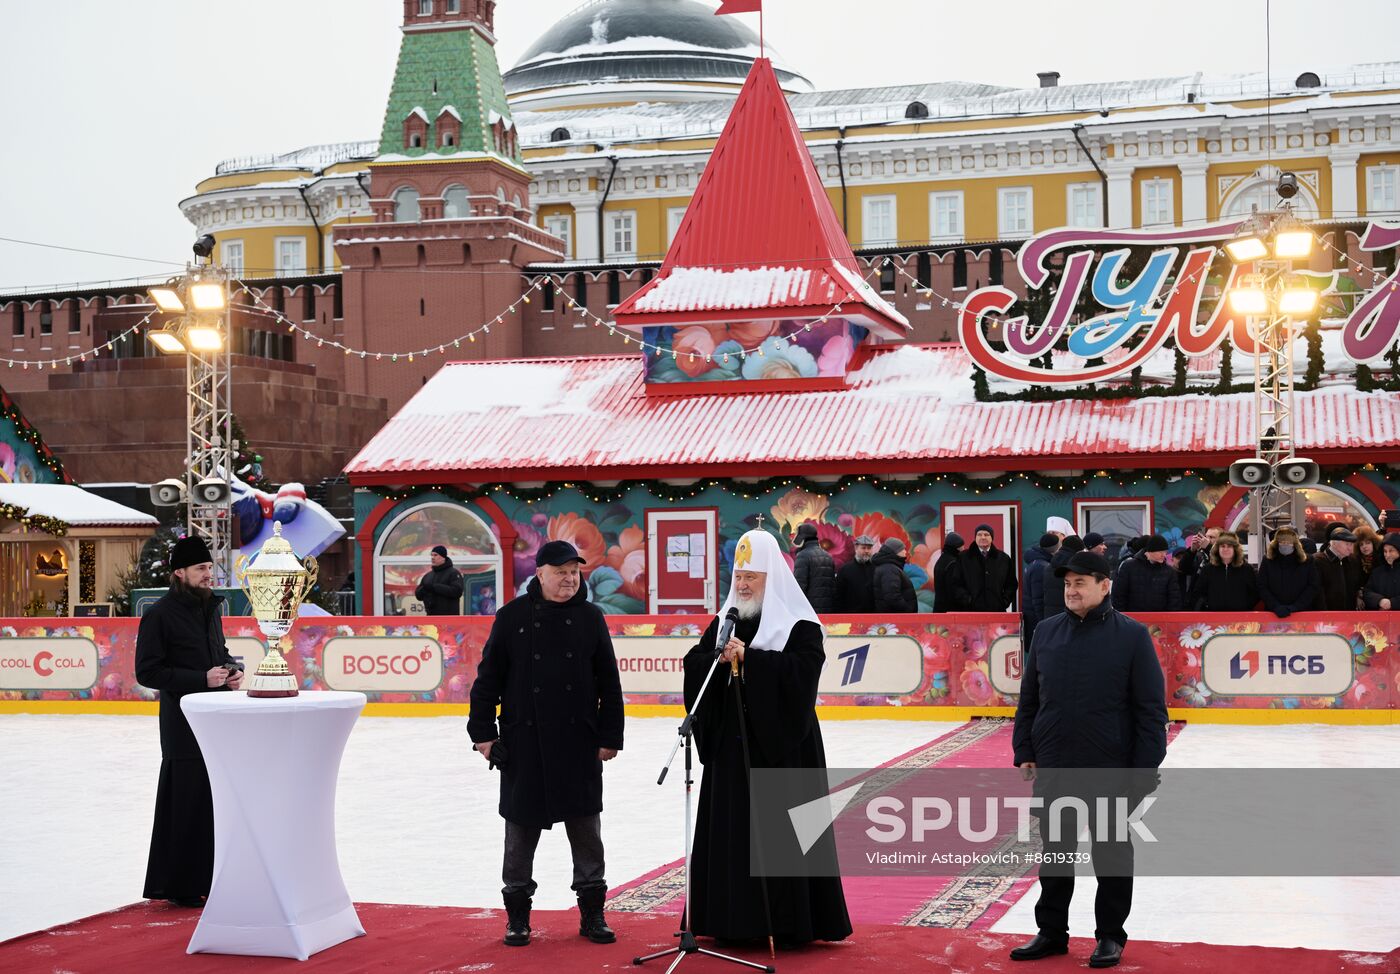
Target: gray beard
(749, 610)
(862, 559)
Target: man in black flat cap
(1093, 696)
(440, 590)
(1147, 582)
(855, 582)
(549, 665)
(180, 649)
(1338, 574)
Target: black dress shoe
(1040, 946)
(1107, 954)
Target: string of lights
(82, 356)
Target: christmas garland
(26, 432)
(41, 522)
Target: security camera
(211, 490)
(1249, 473)
(167, 493)
(1297, 472)
(1287, 185)
(204, 246)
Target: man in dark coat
(1227, 583)
(180, 649)
(1052, 599)
(778, 645)
(1383, 584)
(549, 664)
(855, 582)
(949, 592)
(1338, 574)
(1146, 583)
(441, 588)
(1287, 583)
(988, 573)
(815, 570)
(1037, 561)
(1093, 696)
(894, 592)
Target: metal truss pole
(1272, 507)
(209, 446)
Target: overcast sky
(113, 111)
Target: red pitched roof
(760, 236)
(909, 408)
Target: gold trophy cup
(275, 583)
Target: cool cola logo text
(383, 664)
(58, 663)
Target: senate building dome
(629, 51)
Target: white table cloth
(273, 764)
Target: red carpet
(148, 937)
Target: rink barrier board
(1238, 668)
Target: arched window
(406, 205)
(1321, 507)
(1261, 191)
(403, 557)
(415, 141)
(1308, 79)
(560, 135)
(916, 109)
(448, 139)
(455, 205)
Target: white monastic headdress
(784, 603)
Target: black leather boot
(1037, 947)
(517, 919)
(590, 916)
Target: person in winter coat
(1383, 585)
(855, 582)
(1228, 582)
(1368, 552)
(1181, 562)
(549, 664)
(1093, 696)
(1146, 583)
(1037, 560)
(1287, 582)
(815, 570)
(894, 592)
(949, 591)
(1128, 552)
(1338, 574)
(1052, 600)
(441, 589)
(988, 573)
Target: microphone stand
(688, 944)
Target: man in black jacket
(180, 649)
(855, 582)
(949, 592)
(814, 569)
(549, 664)
(441, 589)
(1146, 583)
(1338, 574)
(893, 590)
(988, 573)
(1093, 696)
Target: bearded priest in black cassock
(778, 641)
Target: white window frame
(953, 233)
(454, 6)
(1094, 192)
(300, 266)
(1151, 215)
(621, 235)
(562, 226)
(1374, 202)
(674, 216)
(1004, 227)
(466, 202)
(231, 255)
(425, 8)
(868, 237)
(375, 589)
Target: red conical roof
(760, 238)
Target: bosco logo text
(383, 664)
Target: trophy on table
(275, 582)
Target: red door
(682, 561)
(963, 519)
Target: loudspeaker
(211, 490)
(167, 493)
(1249, 473)
(1297, 472)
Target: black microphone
(726, 629)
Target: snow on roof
(689, 288)
(73, 505)
(450, 110)
(591, 417)
(493, 116)
(624, 45)
(420, 112)
(312, 157)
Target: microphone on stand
(726, 629)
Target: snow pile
(72, 505)
(705, 288)
(913, 371)
(530, 388)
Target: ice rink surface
(416, 823)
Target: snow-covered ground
(1331, 913)
(416, 817)
(416, 823)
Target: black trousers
(1113, 868)
(585, 843)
